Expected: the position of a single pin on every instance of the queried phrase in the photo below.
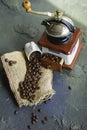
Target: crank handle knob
(27, 5)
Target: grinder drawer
(52, 62)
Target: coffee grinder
(60, 38)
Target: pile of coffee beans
(10, 62)
(51, 57)
(35, 118)
(29, 86)
(35, 54)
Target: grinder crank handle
(27, 5)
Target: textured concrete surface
(68, 108)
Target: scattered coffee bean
(6, 60)
(43, 122)
(69, 87)
(34, 118)
(10, 63)
(33, 122)
(45, 102)
(14, 62)
(16, 112)
(45, 118)
(32, 114)
(39, 110)
(29, 127)
(38, 87)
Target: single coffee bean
(39, 110)
(43, 122)
(69, 87)
(33, 122)
(36, 120)
(16, 112)
(6, 60)
(29, 127)
(45, 118)
(10, 63)
(15, 62)
(33, 114)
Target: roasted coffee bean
(30, 94)
(45, 102)
(29, 127)
(30, 70)
(30, 100)
(29, 65)
(16, 112)
(34, 73)
(34, 87)
(24, 84)
(33, 77)
(36, 120)
(32, 97)
(38, 87)
(14, 62)
(36, 116)
(33, 114)
(39, 110)
(20, 84)
(10, 63)
(29, 86)
(45, 118)
(23, 93)
(69, 87)
(52, 57)
(33, 122)
(6, 60)
(23, 88)
(30, 89)
(23, 96)
(43, 122)
(39, 73)
(54, 60)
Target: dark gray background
(68, 108)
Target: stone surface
(26, 30)
(67, 110)
(13, 5)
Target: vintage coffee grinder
(60, 38)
